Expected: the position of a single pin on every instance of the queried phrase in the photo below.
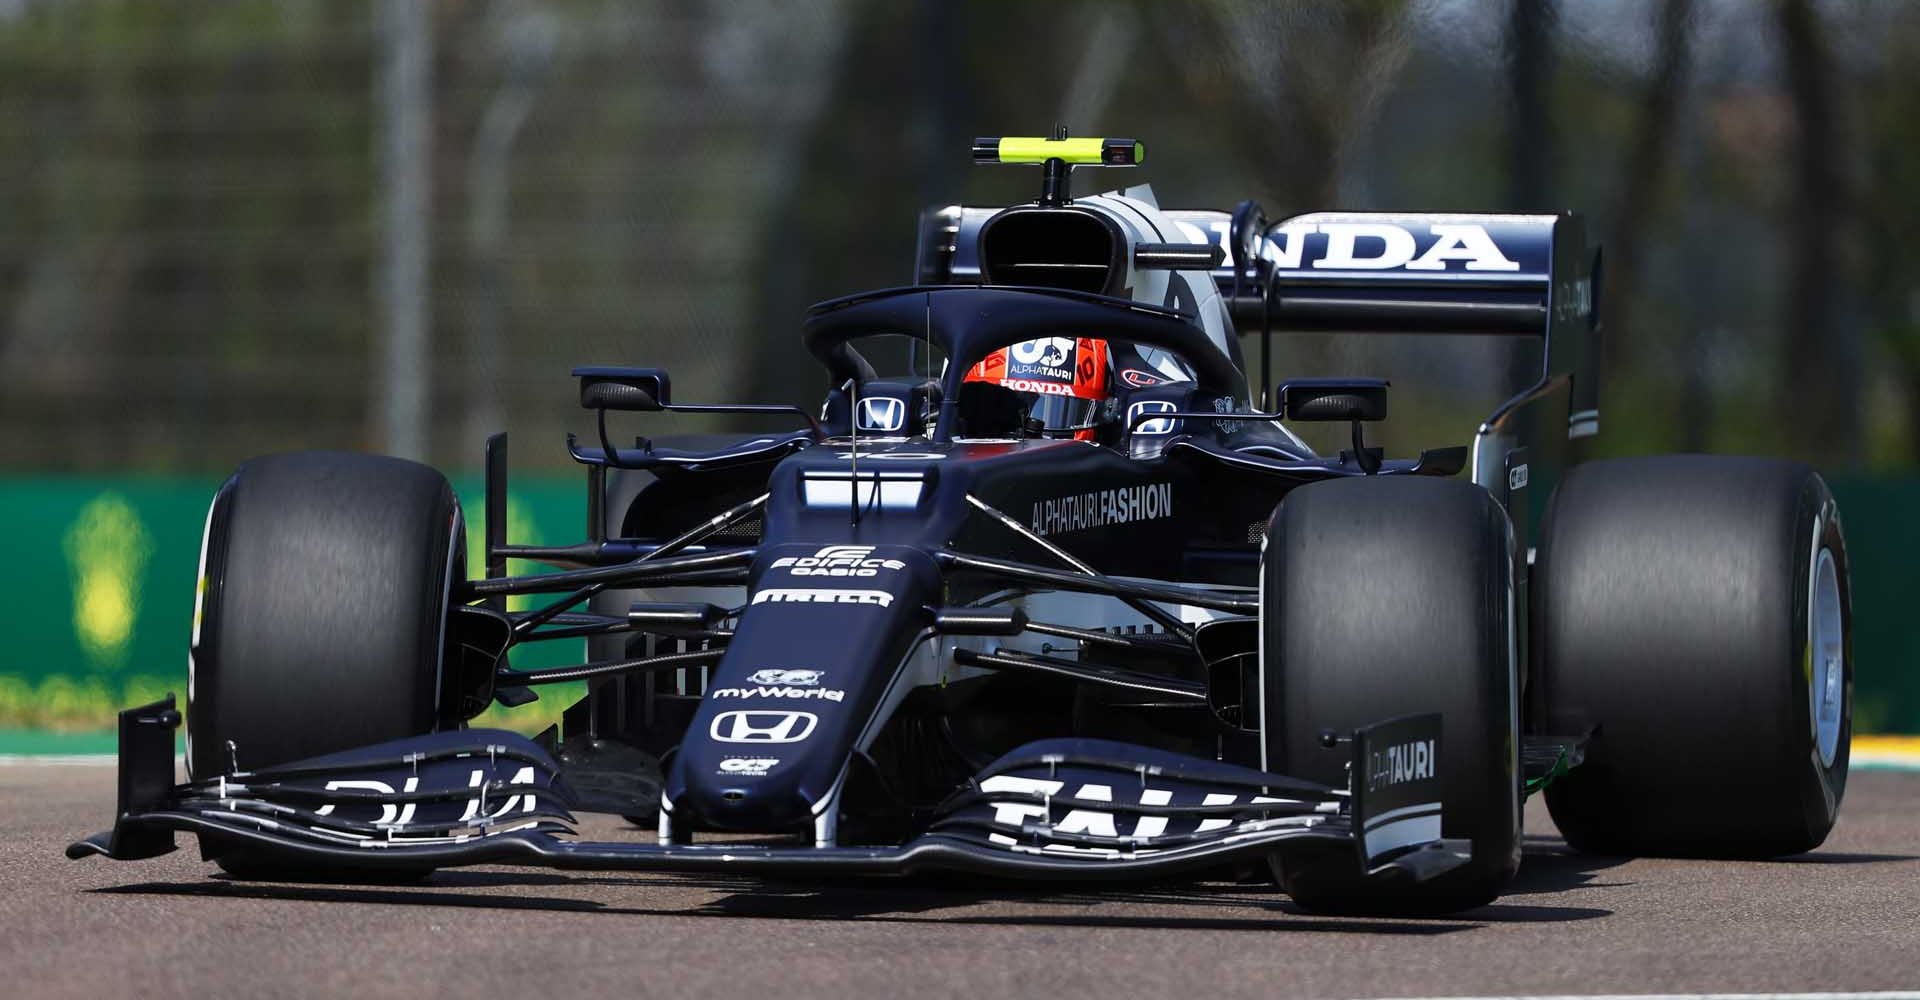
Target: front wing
(1056, 809)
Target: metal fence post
(403, 92)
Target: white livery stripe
(1402, 833)
(1417, 809)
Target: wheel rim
(1826, 649)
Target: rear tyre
(323, 604)
(1384, 597)
(1695, 617)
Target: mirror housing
(1245, 232)
(643, 390)
(1322, 399)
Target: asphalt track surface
(1842, 919)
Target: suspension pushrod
(563, 629)
(1009, 659)
(694, 534)
(649, 572)
(1097, 638)
(585, 555)
(1212, 600)
(576, 631)
(1169, 622)
(571, 618)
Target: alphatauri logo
(1401, 763)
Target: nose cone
(744, 796)
(758, 768)
(822, 638)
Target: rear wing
(1411, 273)
(1499, 275)
(1406, 273)
(1346, 272)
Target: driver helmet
(1062, 380)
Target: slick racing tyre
(1694, 616)
(321, 615)
(1383, 597)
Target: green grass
(63, 715)
(39, 742)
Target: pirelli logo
(1102, 508)
(813, 595)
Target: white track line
(1877, 764)
(1882, 995)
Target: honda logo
(1157, 425)
(763, 727)
(882, 413)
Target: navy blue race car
(1047, 588)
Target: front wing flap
(1054, 809)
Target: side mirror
(1350, 399)
(1316, 399)
(1248, 227)
(631, 389)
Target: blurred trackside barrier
(99, 574)
(99, 580)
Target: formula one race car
(1057, 596)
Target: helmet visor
(1064, 413)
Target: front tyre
(1695, 617)
(1383, 597)
(321, 615)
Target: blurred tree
(1531, 142)
(1296, 92)
(1302, 83)
(185, 194)
(1530, 126)
(1890, 221)
(1647, 160)
(188, 192)
(1819, 385)
(523, 41)
(844, 192)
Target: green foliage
(78, 703)
(193, 216)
